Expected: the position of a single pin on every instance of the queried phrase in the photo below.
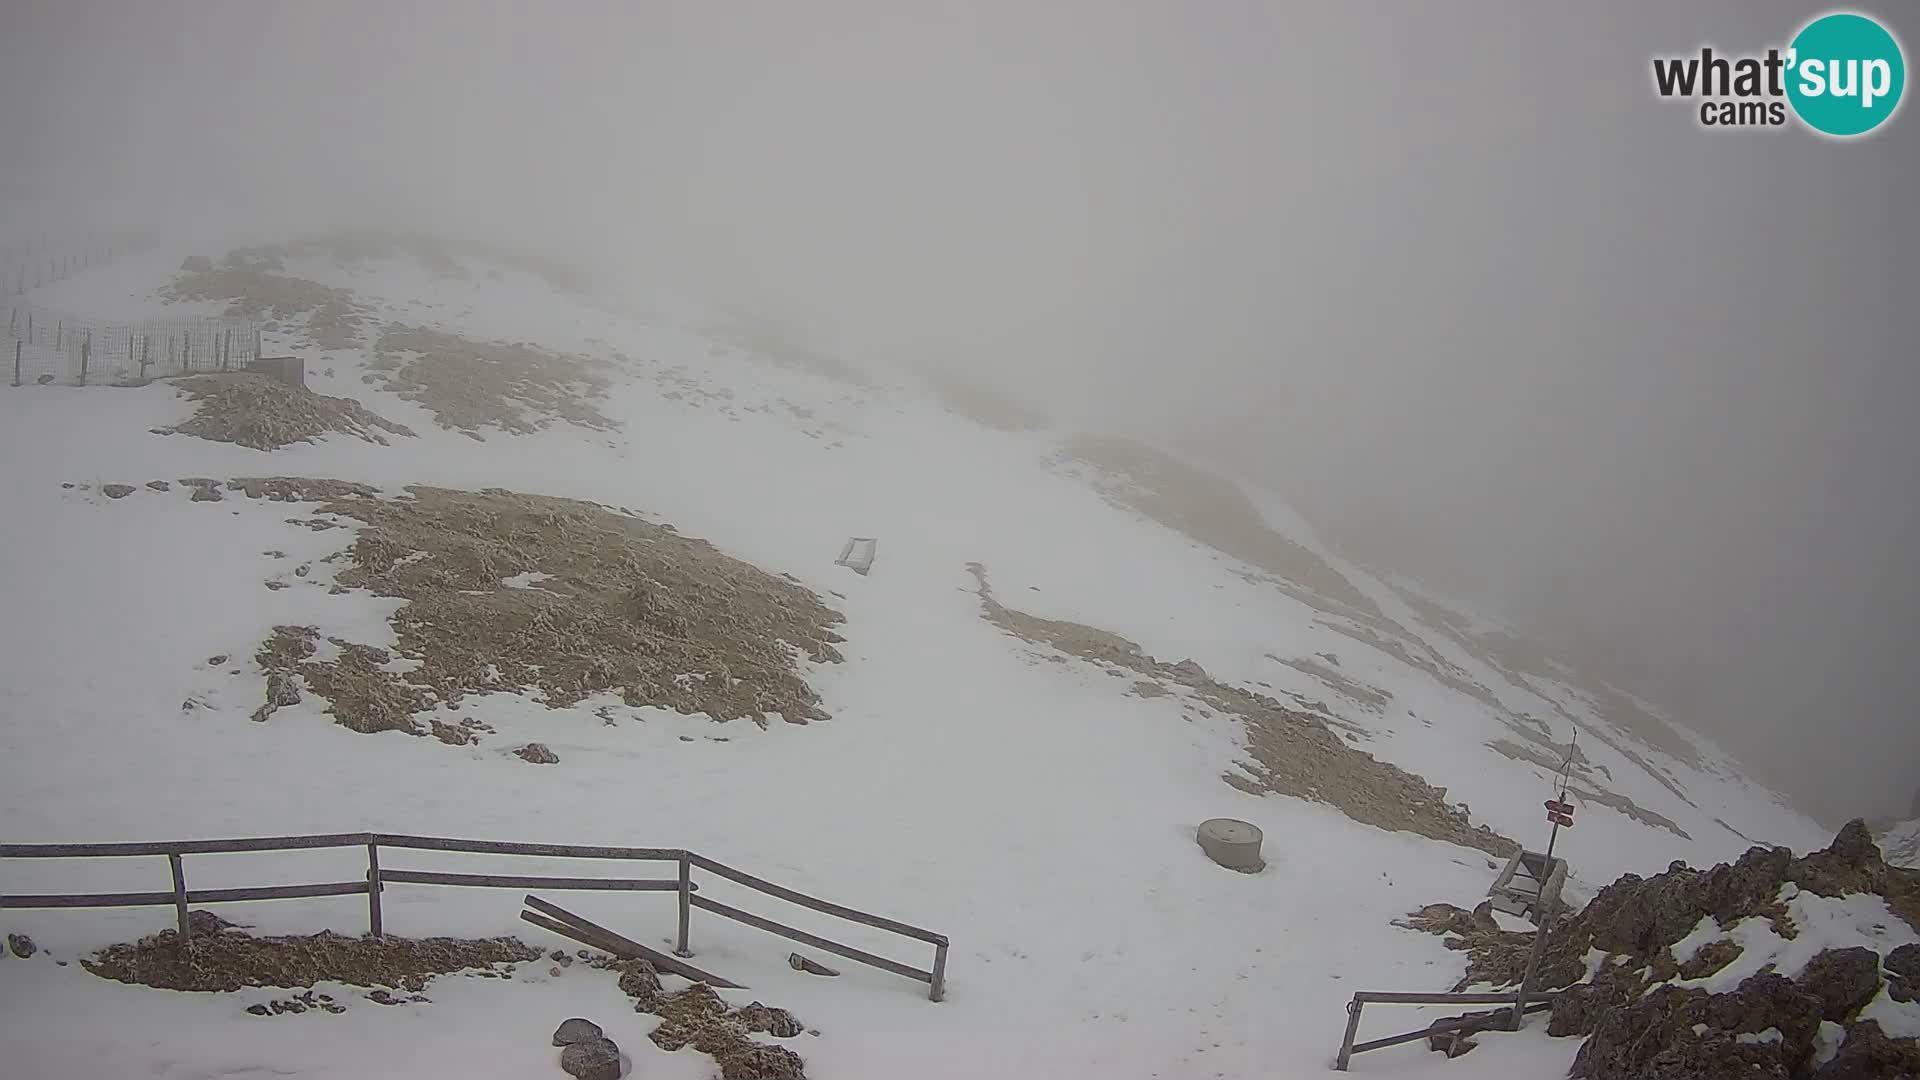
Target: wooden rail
(180, 898)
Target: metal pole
(1346, 1043)
(373, 890)
(1549, 905)
(180, 900)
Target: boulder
(1843, 980)
(595, 1059)
(196, 264)
(577, 1030)
(1762, 1029)
(538, 754)
(1903, 973)
(1868, 1054)
(1851, 864)
(1577, 1010)
(116, 491)
(21, 945)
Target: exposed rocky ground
(225, 958)
(697, 1017)
(474, 385)
(1641, 1019)
(254, 410)
(248, 280)
(599, 600)
(1294, 753)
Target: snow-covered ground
(1035, 812)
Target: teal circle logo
(1846, 74)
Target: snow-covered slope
(1900, 843)
(1032, 806)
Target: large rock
(1636, 917)
(1843, 980)
(1869, 1055)
(1763, 1029)
(577, 1030)
(537, 753)
(1578, 1009)
(1851, 864)
(595, 1059)
(21, 944)
(1903, 973)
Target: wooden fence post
(226, 353)
(180, 900)
(938, 990)
(86, 355)
(373, 890)
(686, 904)
(16, 361)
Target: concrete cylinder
(1232, 843)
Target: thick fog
(1450, 276)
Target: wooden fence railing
(181, 898)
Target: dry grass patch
(470, 385)
(611, 603)
(254, 291)
(225, 959)
(1294, 753)
(698, 1017)
(254, 410)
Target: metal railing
(181, 898)
(1348, 1048)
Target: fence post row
(377, 878)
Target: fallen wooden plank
(810, 966)
(627, 948)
